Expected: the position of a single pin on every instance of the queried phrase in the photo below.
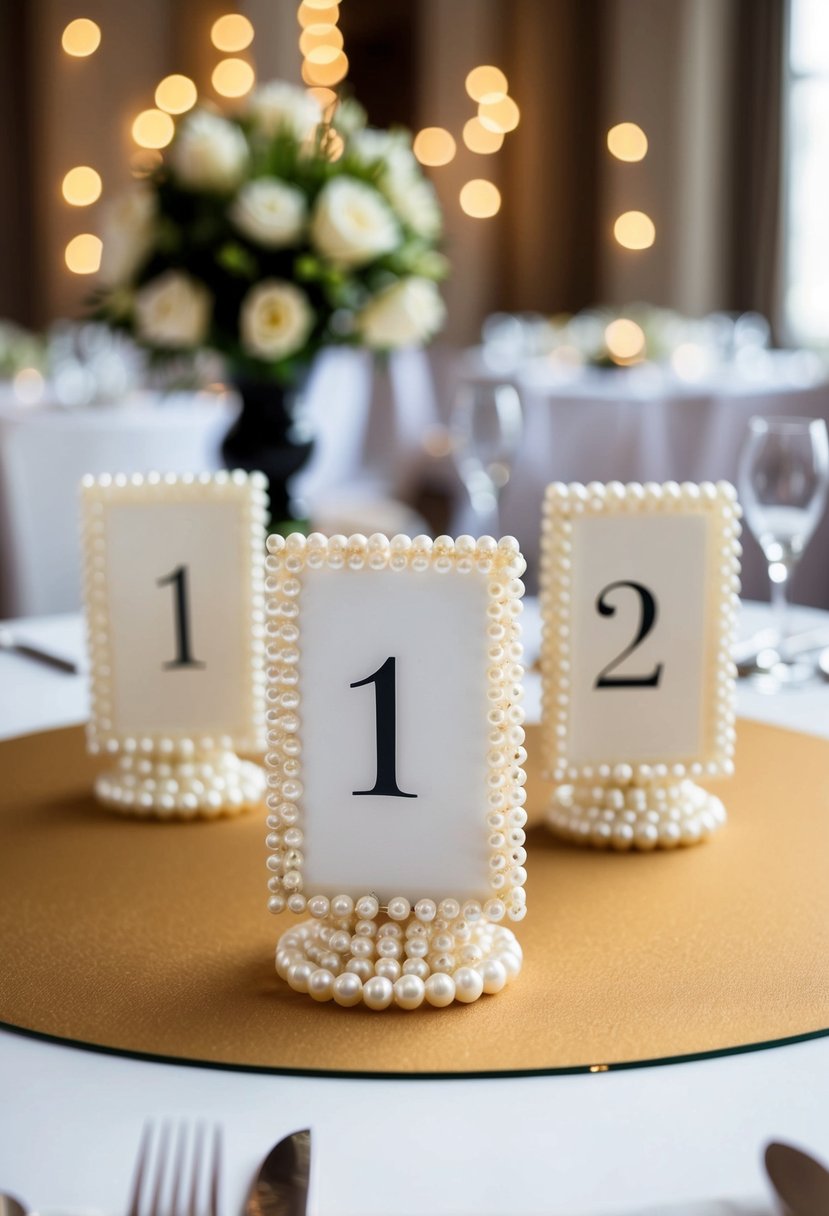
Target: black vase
(270, 435)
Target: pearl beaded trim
(177, 773)
(638, 805)
(660, 815)
(353, 960)
(211, 784)
(503, 815)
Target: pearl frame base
(206, 785)
(655, 815)
(385, 963)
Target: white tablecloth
(70, 1120)
(638, 425)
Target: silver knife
(281, 1186)
(9, 642)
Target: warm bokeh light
(634, 230)
(232, 78)
(480, 199)
(28, 385)
(83, 254)
(81, 186)
(153, 129)
(326, 97)
(625, 340)
(486, 83)
(627, 141)
(317, 16)
(328, 72)
(81, 37)
(434, 146)
(479, 138)
(320, 35)
(176, 94)
(233, 32)
(501, 115)
(316, 5)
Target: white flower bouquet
(272, 233)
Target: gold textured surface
(154, 937)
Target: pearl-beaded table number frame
(174, 589)
(639, 599)
(396, 801)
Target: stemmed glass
(784, 476)
(486, 424)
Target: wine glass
(784, 476)
(486, 424)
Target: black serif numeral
(385, 710)
(183, 658)
(646, 624)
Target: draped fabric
(757, 141)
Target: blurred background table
(644, 424)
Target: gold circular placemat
(153, 938)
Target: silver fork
(170, 1160)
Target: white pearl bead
(378, 992)
(440, 990)
(493, 974)
(321, 985)
(348, 989)
(342, 906)
(399, 908)
(389, 968)
(299, 975)
(468, 984)
(409, 992)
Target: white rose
(209, 153)
(405, 314)
(128, 234)
(269, 212)
(352, 224)
(275, 320)
(415, 201)
(280, 106)
(173, 311)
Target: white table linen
(609, 1143)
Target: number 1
(385, 712)
(184, 658)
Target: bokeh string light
(176, 94)
(153, 129)
(232, 32)
(83, 253)
(625, 341)
(81, 38)
(434, 146)
(634, 230)
(233, 77)
(480, 139)
(627, 141)
(324, 63)
(81, 186)
(480, 199)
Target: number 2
(646, 624)
(183, 658)
(385, 714)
